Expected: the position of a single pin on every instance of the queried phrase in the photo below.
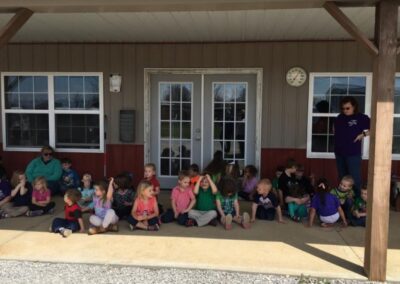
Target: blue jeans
(64, 223)
(350, 165)
(169, 217)
(133, 221)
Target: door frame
(202, 71)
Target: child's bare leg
(141, 225)
(280, 197)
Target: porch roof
(183, 21)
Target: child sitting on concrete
(359, 210)
(344, 192)
(297, 201)
(265, 204)
(205, 208)
(87, 192)
(123, 196)
(228, 205)
(69, 177)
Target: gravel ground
(39, 272)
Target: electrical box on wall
(127, 125)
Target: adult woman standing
(350, 128)
(46, 166)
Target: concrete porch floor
(268, 247)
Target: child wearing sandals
(326, 205)
(104, 218)
(144, 213)
(205, 209)
(72, 221)
(265, 204)
(182, 201)
(41, 199)
(228, 205)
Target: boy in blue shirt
(69, 177)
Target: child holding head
(228, 205)
(19, 197)
(150, 175)
(123, 196)
(359, 210)
(41, 199)
(69, 177)
(144, 214)
(87, 192)
(204, 212)
(104, 218)
(182, 201)
(344, 192)
(265, 204)
(249, 183)
(72, 220)
(326, 205)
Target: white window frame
(368, 92)
(52, 111)
(396, 157)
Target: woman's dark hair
(351, 100)
(322, 190)
(251, 169)
(227, 185)
(217, 165)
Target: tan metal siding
(284, 108)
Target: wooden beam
(350, 27)
(380, 154)
(13, 26)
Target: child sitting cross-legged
(41, 199)
(104, 218)
(123, 196)
(345, 193)
(205, 209)
(326, 205)
(265, 204)
(297, 201)
(182, 201)
(228, 205)
(72, 221)
(144, 213)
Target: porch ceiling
(191, 26)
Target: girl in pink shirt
(144, 213)
(182, 201)
(41, 199)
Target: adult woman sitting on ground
(47, 166)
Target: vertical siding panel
(289, 98)
(90, 58)
(265, 60)
(364, 59)
(116, 62)
(39, 57)
(77, 56)
(182, 56)
(142, 59)
(335, 50)
(14, 58)
(349, 64)
(320, 57)
(236, 56)
(168, 55)
(51, 57)
(154, 53)
(276, 95)
(222, 56)
(26, 54)
(4, 54)
(103, 64)
(250, 55)
(128, 71)
(196, 55)
(64, 57)
(210, 55)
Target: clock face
(296, 76)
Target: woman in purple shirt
(350, 128)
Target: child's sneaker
(65, 232)
(295, 218)
(153, 228)
(34, 213)
(189, 223)
(213, 222)
(93, 230)
(113, 228)
(246, 220)
(228, 222)
(4, 215)
(132, 227)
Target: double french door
(195, 115)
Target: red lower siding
(121, 157)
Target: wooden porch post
(380, 155)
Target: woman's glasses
(47, 154)
(346, 108)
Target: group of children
(198, 199)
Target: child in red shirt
(72, 221)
